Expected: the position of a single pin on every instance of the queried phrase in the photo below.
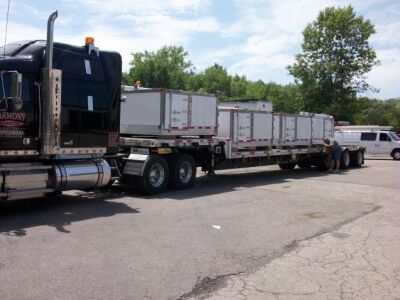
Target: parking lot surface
(258, 223)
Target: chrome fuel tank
(84, 174)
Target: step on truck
(62, 127)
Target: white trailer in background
(162, 155)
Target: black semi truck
(60, 118)
(48, 145)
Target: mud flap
(135, 164)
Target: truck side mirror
(16, 85)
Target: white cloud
(140, 7)
(256, 67)
(259, 41)
(386, 76)
(270, 36)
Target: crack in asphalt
(205, 286)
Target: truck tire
(183, 171)
(396, 154)
(322, 162)
(304, 165)
(357, 159)
(155, 176)
(345, 159)
(287, 166)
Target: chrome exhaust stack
(49, 42)
(51, 97)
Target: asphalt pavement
(194, 243)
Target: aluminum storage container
(161, 112)
(292, 130)
(245, 128)
(249, 104)
(322, 127)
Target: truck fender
(135, 164)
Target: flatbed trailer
(151, 164)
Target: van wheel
(358, 159)
(155, 176)
(183, 171)
(396, 154)
(287, 166)
(345, 160)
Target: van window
(384, 137)
(368, 136)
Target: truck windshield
(394, 136)
(9, 49)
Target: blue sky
(256, 38)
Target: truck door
(19, 130)
(369, 141)
(385, 144)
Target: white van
(376, 142)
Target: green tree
(336, 56)
(239, 86)
(378, 112)
(166, 68)
(214, 79)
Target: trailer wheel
(396, 154)
(183, 171)
(155, 176)
(287, 166)
(304, 165)
(345, 159)
(357, 159)
(323, 162)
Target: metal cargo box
(249, 104)
(161, 112)
(322, 128)
(303, 129)
(244, 127)
(292, 130)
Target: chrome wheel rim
(156, 175)
(185, 172)
(397, 155)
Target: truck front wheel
(155, 176)
(183, 171)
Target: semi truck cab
(59, 115)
